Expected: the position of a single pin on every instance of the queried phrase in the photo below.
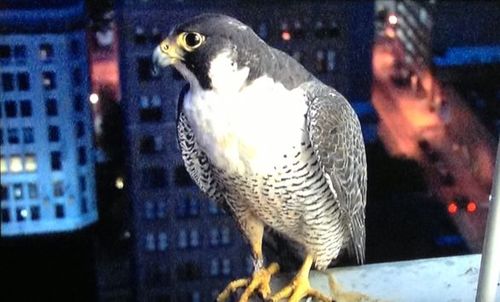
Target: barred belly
(295, 200)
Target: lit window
(5, 192)
(32, 190)
(13, 136)
(181, 208)
(15, 164)
(23, 81)
(7, 82)
(150, 242)
(226, 267)
(162, 209)
(214, 267)
(155, 101)
(49, 80)
(149, 209)
(59, 211)
(195, 296)
(330, 60)
(10, 109)
(214, 237)
(46, 51)
(28, 137)
(51, 107)
(17, 191)
(225, 235)
(320, 61)
(30, 163)
(150, 109)
(194, 207)
(182, 239)
(35, 213)
(5, 215)
(194, 238)
(55, 160)
(21, 214)
(212, 207)
(263, 31)
(3, 165)
(162, 241)
(144, 102)
(53, 133)
(57, 188)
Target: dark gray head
(213, 51)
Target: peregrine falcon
(263, 137)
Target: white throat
(225, 74)
(245, 128)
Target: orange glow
(452, 208)
(471, 207)
(286, 36)
(105, 71)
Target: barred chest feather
(248, 131)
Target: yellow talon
(300, 287)
(258, 282)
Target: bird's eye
(192, 40)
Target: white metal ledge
(452, 279)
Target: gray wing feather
(196, 161)
(335, 134)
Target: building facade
(186, 249)
(46, 136)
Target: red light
(452, 208)
(285, 35)
(471, 207)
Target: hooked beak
(166, 54)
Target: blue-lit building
(46, 136)
(185, 248)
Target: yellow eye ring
(191, 40)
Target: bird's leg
(300, 287)
(254, 230)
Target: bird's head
(212, 51)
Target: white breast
(247, 131)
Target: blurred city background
(96, 204)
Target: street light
(393, 19)
(94, 98)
